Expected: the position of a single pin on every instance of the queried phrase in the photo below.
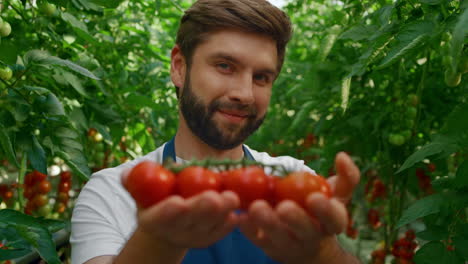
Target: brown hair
(256, 16)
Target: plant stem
(21, 173)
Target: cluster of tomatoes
(378, 256)
(424, 180)
(149, 182)
(403, 248)
(36, 189)
(373, 217)
(375, 189)
(63, 191)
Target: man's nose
(241, 90)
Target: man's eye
(224, 66)
(261, 78)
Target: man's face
(227, 87)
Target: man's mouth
(234, 116)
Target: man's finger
(348, 176)
(331, 213)
(298, 221)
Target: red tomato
(194, 180)
(40, 200)
(63, 197)
(43, 187)
(65, 176)
(64, 187)
(149, 183)
(249, 183)
(38, 176)
(298, 185)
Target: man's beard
(200, 119)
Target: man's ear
(178, 67)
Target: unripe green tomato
(452, 78)
(396, 139)
(44, 210)
(6, 73)
(5, 29)
(47, 9)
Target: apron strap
(169, 151)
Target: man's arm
(143, 248)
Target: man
(228, 54)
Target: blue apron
(234, 248)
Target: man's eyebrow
(225, 56)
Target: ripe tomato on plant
(296, 186)
(149, 182)
(249, 183)
(194, 180)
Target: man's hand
(292, 235)
(190, 223)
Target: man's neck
(188, 146)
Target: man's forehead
(241, 46)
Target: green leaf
(83, 172)
(461, 178)
(440, 145)
(139, 101)
(64, 132)
(423, 207)
(434, 252)
(107, 3)
(52, 105)
(37, 156)
(461, 244)
(70, 143)
(30, 230)
(51, 224)
(7, 147)
(37, 90)
(431, 2)
(433, 233)
(8, 254)
(75, 83)
(359, 32)
(458, 39)
(44, 58)
(410, 38)
(74, 22)
(302, 115)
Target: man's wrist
(144, 248)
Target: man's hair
(255, 16)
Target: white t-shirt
(104, 216)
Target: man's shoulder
(288, 162)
